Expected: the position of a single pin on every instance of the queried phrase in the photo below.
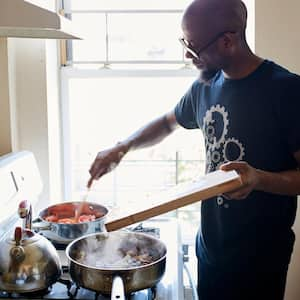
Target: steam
(117, 249)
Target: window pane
(128, 4)
(104, 111)
(92, 30)
(142, 37)
(131, 37)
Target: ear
(228, 40)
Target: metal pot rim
(107, 211)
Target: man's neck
(242, 66)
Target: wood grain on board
(210, 185)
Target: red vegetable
(71, 220)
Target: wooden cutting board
(210, 185)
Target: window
(103, 110)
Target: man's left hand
(249, 177)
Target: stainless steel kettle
(28, 261)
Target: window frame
(68, 49)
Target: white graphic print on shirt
(220, 148)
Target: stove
(14, 172)
(170, 287)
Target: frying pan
(106, 262)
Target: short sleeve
(185, 110)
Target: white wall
(33, 70)
(5, 132)
(276, 38)
(276, 33)
(28, 72)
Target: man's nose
(189, 55)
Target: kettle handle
(18, 235)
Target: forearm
(150, 134)
(285, 183)
(282, 183)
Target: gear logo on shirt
(219, 147)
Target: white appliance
(20, 179)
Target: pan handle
(39, 225)
(117, 290)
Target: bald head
(204, 19)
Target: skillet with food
(116, 263)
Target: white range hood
(19, 18)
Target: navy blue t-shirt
(255, 119)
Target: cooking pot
(65, 233)
(28, 262)
(116, 263)
(212, 184)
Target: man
(247, 108)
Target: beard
(205, 76)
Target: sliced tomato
(66, 221)
(52, 218)
(86, 218)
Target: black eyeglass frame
(196, 53)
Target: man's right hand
(105, 162)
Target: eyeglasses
(196, 53)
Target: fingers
(98, 169)
(239, 195)
(104, 162)
(227, 196)
(248, 177)
(234, 165)
(96, 174)
(90, 182)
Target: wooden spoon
(79, 209)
